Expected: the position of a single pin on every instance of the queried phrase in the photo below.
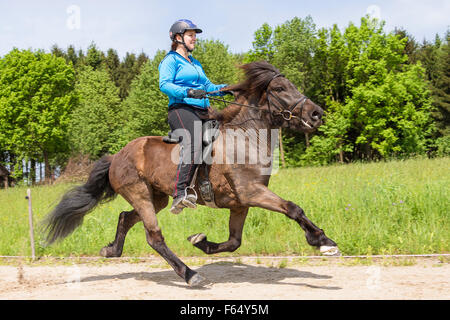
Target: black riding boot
(183, 196)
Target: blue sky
(138, 25)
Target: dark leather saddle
(210, 131)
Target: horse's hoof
(197, 281)
(108, 252)
(330, 251)
(196, 238)
(104, 252)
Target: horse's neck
(247, 117)
(253, 126)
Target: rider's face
(190, 38)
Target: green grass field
(397, 207)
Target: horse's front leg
(261, 196)
(236, 225)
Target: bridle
(286, 112)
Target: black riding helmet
(181, 26)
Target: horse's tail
(79, 201)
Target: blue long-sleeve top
(177, 75)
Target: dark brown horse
(143, 172)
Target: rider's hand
(196, 94)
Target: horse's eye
(278, 89)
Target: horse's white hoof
(196, 238)
(330, 251)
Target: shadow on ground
(225, 272)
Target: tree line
(385, 95)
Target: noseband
(286, 111)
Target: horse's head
(288, 108)
(283, 104)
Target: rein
(286, 113)
(232, 102)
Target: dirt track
(239, 279)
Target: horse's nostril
(316, 115)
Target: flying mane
(257, 77)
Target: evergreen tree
(441, 99)
(142, 59)
(81, 60)
(94, 57)
(126, 74)
(441, 88)
(112, 66)
(58, 52)
(72, 56)
(411, 48)
(428, 57)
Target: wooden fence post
(30, 221)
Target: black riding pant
(186, 121)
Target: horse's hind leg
(236, 224)
(141, 198)
(127, 219)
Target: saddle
(210, 132)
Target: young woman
(182, 78)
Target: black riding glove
(196, 94)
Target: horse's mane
(257, 77)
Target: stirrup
(189, 200)
(180, 205)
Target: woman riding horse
(182, 78)
(143, 174)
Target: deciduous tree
(36, 98)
